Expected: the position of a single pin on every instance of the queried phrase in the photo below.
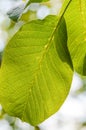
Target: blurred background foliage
(72, 115)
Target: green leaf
(0, 58)
(76, 26)
(37, 128)
(35, 1)
(66, 4)
(36, 71)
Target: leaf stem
(37, 128)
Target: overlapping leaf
(36, 71)
(76, 26)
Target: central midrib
(48, 45)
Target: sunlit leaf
(76, 26)
(36, 71)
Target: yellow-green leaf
(76, 27)
(36, 71)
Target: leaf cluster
(39, 61)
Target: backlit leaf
(76, 26)
(36, 71)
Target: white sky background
(74, 109)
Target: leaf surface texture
(36, 71)
(76, 27)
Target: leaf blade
(77, 34)
(32, 64)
